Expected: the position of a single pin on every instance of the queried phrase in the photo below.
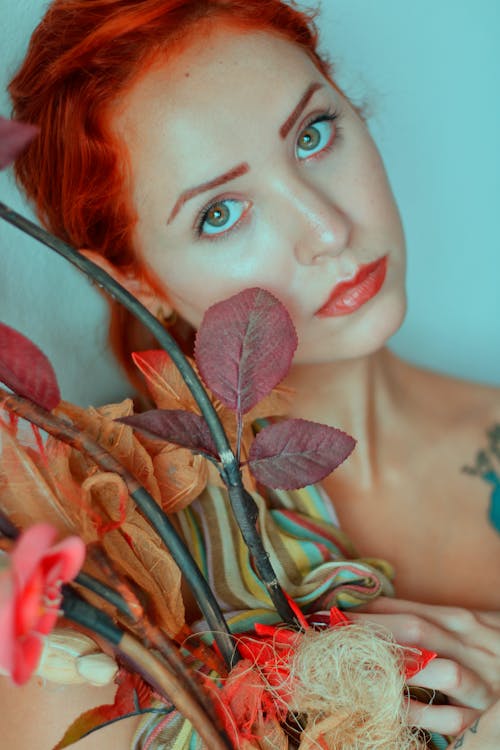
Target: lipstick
(350, 295)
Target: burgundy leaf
(244, 347)
(175, 426)
(294, 453)
(14, 137)
(25, 369)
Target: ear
(157, 305)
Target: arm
(36, 716)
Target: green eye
(309, 139)
(316, 137)
(217, 215)
(221, 216)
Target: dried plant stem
(145, 663)
(7, 528)
(67, 433)
(246, 513)
(105, 592)
(173, 688)
(243, 509)
(148, 633)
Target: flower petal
(30, 548)
(6, 620)
(28, 604)
(67, 557)
(26, 658)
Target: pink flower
(14, 137)
(30, 595)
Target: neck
(352, 395)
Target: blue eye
(220, 216)
(317, 136)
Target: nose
(320, 228)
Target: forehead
(206, 97)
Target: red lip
(349, 296)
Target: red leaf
(294, 453)
(244, 347)
(131, 696)
(14, 136)
(132, 692)
(25, 369)
(175, 426)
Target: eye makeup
(242, 207)
(330, 116)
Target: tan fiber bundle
(349, 683)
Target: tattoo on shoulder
(487, 467)
(460, 741)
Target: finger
(412, 630)
(450, 720)
(461, 685)
(479, 629)
(489, 618)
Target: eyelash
(331, 115)
(219, 235)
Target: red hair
(81, 57)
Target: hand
(469, 675)
(470, 638)
(482, 734)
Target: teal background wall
(430, 72)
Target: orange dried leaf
(164, 381)
(182, 477)
(21, 477)
(116, 438)
(276, 404)
(138, 553)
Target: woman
(163, 151)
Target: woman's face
(250, 169)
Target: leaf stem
(168, 343)
(246, 514)
(239, 431)
(67, 433)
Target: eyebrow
(292, 119)
(231, 174)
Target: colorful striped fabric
(315, 562)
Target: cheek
(380, 199)
(213, 271)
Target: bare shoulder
(453, 423)
(453, 402)
(37, 715)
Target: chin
(360, 335)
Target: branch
(167, 342)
